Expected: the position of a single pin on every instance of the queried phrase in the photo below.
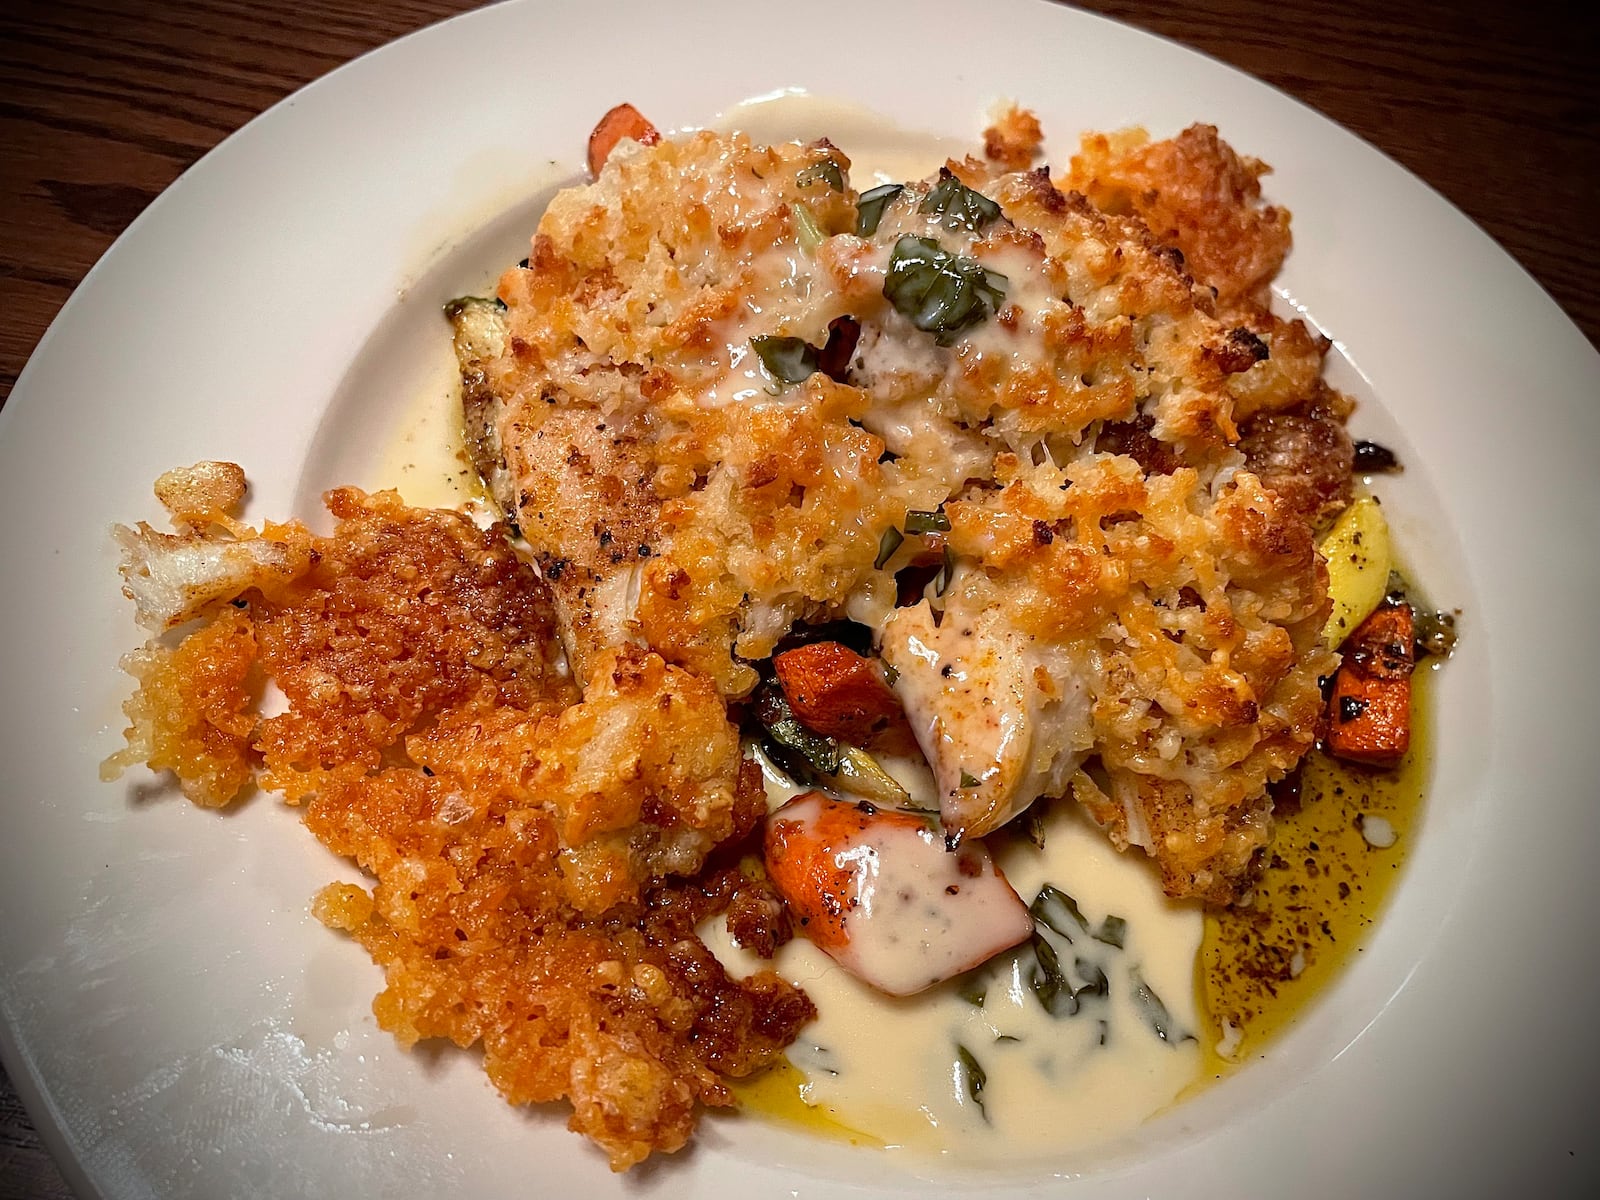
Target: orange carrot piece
(1369, 713)
(802, 859)
(836, 692)
(623, 121)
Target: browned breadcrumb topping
(1013, 141)
(1196, 193)
(536, 862)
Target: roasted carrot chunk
(1369, 713)
(877, 891)
(623, 121)
(836, 692)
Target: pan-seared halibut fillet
(727, 393)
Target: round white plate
(182, 1027)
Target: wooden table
(104, 102)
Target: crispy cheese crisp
(538, 863)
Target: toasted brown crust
(1197, 194)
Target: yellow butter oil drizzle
(1322, 890)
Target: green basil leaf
(1049, 981)
(870, 206)
(1113, 931)
(947, 573)
(1154, 1012)
(1059, 912)
(957, 205)
(795, 748)
(787, 359)
(939, 292)
(921, 521)
(887, 545)
(972, 1077)
(827, 171)
(1097, 985)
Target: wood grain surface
(103, 103)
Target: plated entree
(905, 608)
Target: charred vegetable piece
(1369, 712)
(1373, 459)
(834, 358)
(623, 121)
(814, 758)
(878, 892)
(836, 692)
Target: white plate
(182, 1027)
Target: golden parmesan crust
(1195, 193)
(1194, 617)
(682, 500)
(1013, 141)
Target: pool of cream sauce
(892, 1068)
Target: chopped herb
(827, 171)
(939, 292)
(968, 781)
(870, 206)
(811, 757)
(1113, 931)
(786, 359)
(957, 205)
(1154, 1012)
(806, 230)
(795, 747)
(1059, 912)
(920, 521)
(973, 987)
(1033, 823)
(970, 1077)
(1097, 984)
(947, 572)
(1049, 981)
(887, 545)
(891, 674)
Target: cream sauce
(903, 913)
(894, 1068)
